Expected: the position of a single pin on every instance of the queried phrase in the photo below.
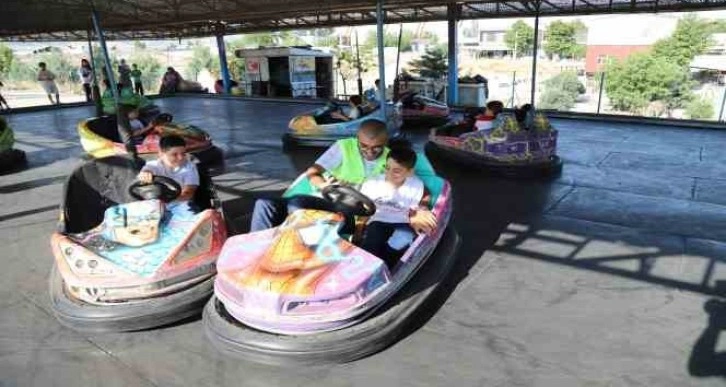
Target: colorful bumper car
(320, 129)
(100, 138)
(301, 293)
(420, 111)
(10, 159)
(126, 261)
(147, 110)
(509, 149)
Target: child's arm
(187, 193)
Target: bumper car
(421, 111)
(301, 293)
(147, 110)
(10, 159)
(319, 129)
(100, 138)
(507, 150)
(125, 261)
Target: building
(615, 37)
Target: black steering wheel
(161, 187)
(349, 199)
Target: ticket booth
(295, 72)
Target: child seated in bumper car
(396, 194)
(486, 120)
(174, 164)
(354, 103)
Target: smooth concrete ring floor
(601, 277)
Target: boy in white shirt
(174, 164)
(47, 81)
(396, 194)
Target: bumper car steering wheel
(161, 187)
(350, 199)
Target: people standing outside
(2, 99)
(47, 81)
(136, 77)
(86, 74)
(124, 75)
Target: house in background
(615, 37)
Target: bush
(561, 91)
(699, 108)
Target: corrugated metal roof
(155, 19)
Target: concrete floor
(599, 278)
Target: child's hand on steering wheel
(145, 177)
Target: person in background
(486, 120)
(47, 81)
(354, 102)
(2, 99)
(124, 75)
(170, 81)
(85, 72)
(136, 77)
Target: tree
(561, 91)
(643, 78)
(561, 39)
(432, 64)
(6, 59)
(699, 108)
(390, 39)
(201, 59)
(520, 38)
(348, 65)
(692, 37)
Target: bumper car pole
(381, 58)
(95, 92)
(123, 123)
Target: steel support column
(95, 91)
(452, 94)
(534, 54)
(123, 122)
(381, 57)
(224, 69)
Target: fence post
(514, 80)
(599, 98)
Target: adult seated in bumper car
(135, 250)
(421, 111)
(10, 159)
(302, 292)
(523, 146)
(333, 122)
(100, 135)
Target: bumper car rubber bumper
(128, 316)
(379, 330)
(549, 168)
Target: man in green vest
(347, 161)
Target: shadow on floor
(704, 360)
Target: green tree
(201, 59)
(520, 38)
(390, 39)
(561, 91)
(561, 39)
(347, 63)
(692, 37)
(643, 78)
(6, 59)
(699, 108)
(432, 64)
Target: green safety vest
(351, 169)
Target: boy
(47, 81)
(136, 77)
(354, 102)
(137, 127)
(486, 121)
(173, 163)
(397, 194)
